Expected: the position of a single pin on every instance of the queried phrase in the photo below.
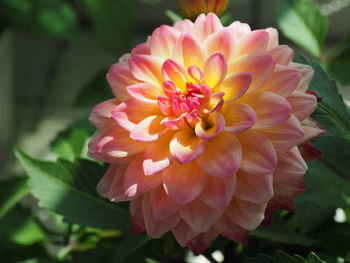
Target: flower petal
(283, 81)
(119, 77)
(260, 64)
(283, 54)
(206, 25)
(175, 72)
(142, 49)
(148, 130)
(290, 165)
(273, 37)
(184, 182)
(254, 188)
(222, 41)
(132, 111)
(145, 92)
(111, 184)
(290, 187)
(278, 110)
(312, 129)
(259, 155)
(162, 205)
(231, 230)
(157, 157)
(285, 135)
(219, 192)
(215, 69)
(189, 51)
(185, 146)
(185, 25)
(215, 121)
(175, 123)
(238, 116)
(137, 219)
(235, 85)
(199, 216)
(116, 192)
(222, 157)
(307, 73)
(239, 29)
(254, 41)
(113, 142)
(246, 214)
(309, 152)
(101, 114)
(146, 68)
(302, 104)
(183, 233)
(163, 41)
(202, 241)
(135, 181)
(156, 228)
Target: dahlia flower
(192, 8)
(207, 131)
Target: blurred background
(54, 55)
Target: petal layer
(184, 182)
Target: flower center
(177, 102)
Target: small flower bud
(193, 8)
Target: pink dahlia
(207, 130)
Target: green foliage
(96, 91)
(112, 23)
(12, 192)
(173, 16)
(332, 112)
(19, 227)
(70, 144)
(318, 179)
(338, 66)
(302, 22)
(69, 189)
(282, 257)
(280, 232)
(47, 17)
(128, 246)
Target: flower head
(207, 131)
(193, 8)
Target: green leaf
(331, 113)
(96, 91)
(318, 180)
(336, 153)
(338, 69)
(282, 257)
(43, 260)
(69, 189)
(311, 216)
(174, 17)
(280, 232)
(302, 22)
(339, 63)
(48, 17)
(20, 227)
(342, 49)
(128, 246)
(12, 191)
(72, 143)
(313, 258)
(69, 144)
(112, 23)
